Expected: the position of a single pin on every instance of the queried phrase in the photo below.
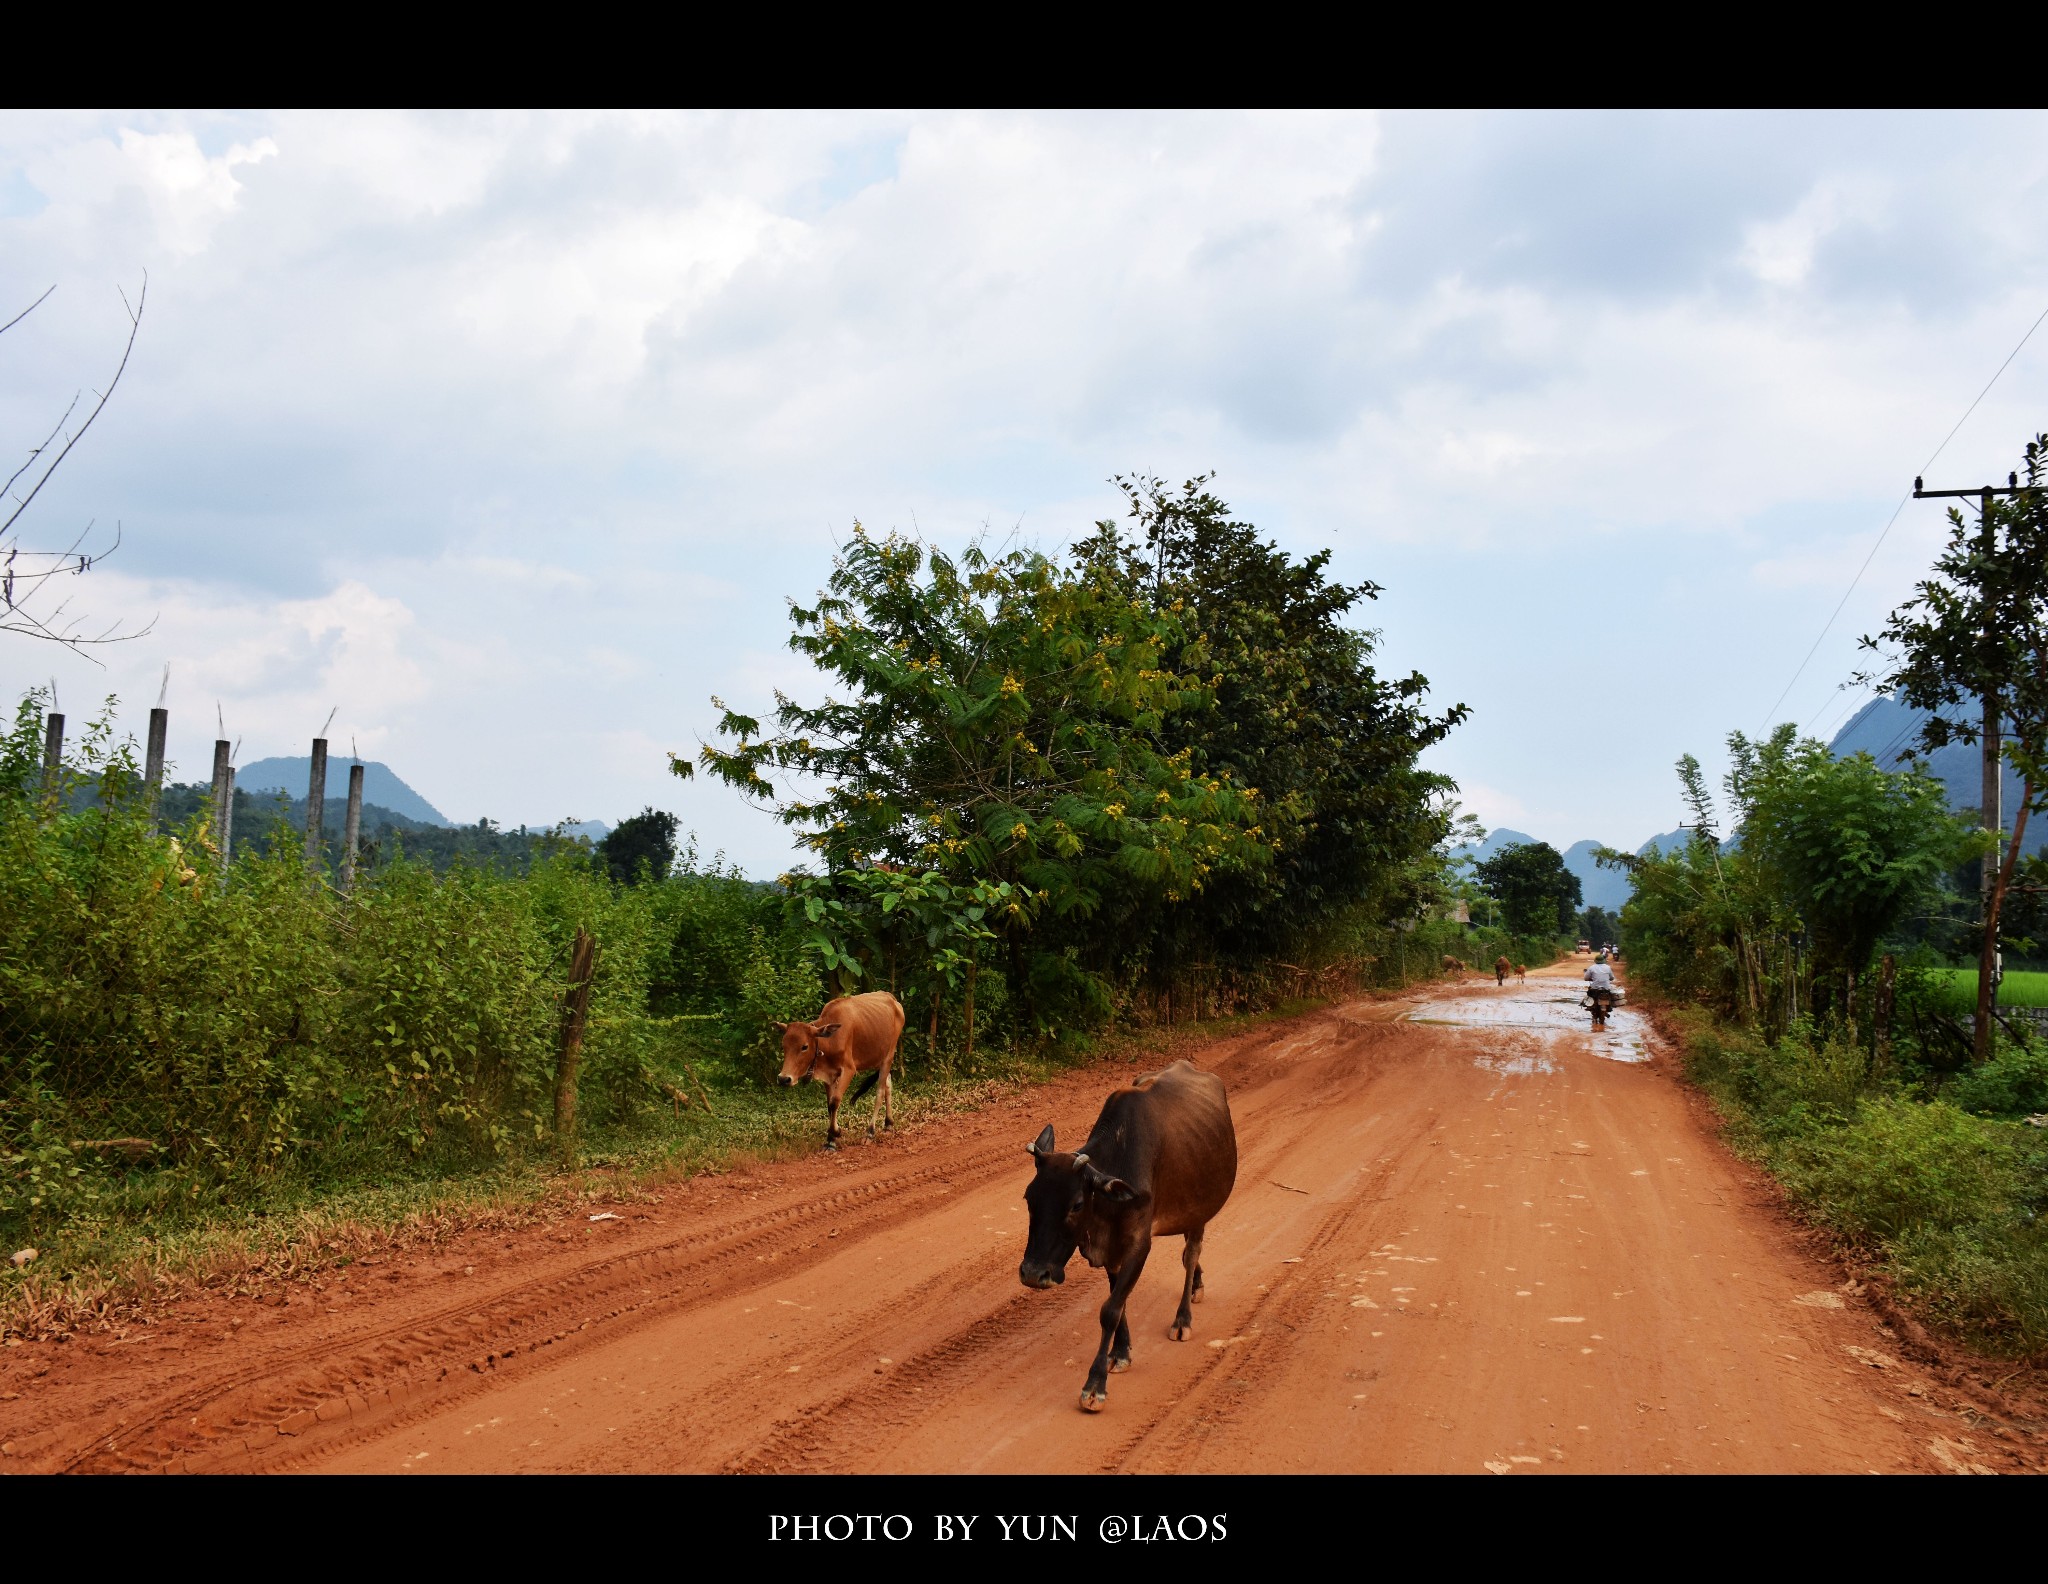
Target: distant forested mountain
(1607, 888)
(381, 785)
(1889, 732)
(262, 818)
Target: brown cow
(854, 1034)
(1501, 969)
(1521, 974)
(1160, 1162)
(1454, 964)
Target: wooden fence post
(53, 754)
(973, 968)
(352, 826)
(316, 802)
(1883, 1005)
(575, 1008)
(153, 767)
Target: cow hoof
(832, 1145)
(1181, 1333)
(1195, 1296)
(1093, 1401)
(1118, 1365)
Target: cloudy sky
(507, 436)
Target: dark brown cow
(1501, 969)
(1160, 1163)
(854, 1034)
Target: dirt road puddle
(1546, 1010)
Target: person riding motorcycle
(1600, 990)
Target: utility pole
(1989, 966)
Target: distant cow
(1521, 974)
(1454, 965)
(1160, 1163)
(854, 1034)
(1501, 969)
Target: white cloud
(189, 193)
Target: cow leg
(887, 1102)
(835, 1091)
(877, 1110)
(1120, 1348)
(1191, 1288)
(1095, 1393)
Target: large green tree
(1851, 848)
(1298, 710)
(1538, 895)
(1165, 751)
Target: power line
(1893, 519)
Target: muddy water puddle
(1545, 1013)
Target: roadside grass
(108, 1266)
(1946, 1187)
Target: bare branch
(134, 329)
(31, 308)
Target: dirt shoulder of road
(2014, 1391)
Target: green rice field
(2017, 988)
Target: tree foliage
(1537, 894)
(640, 847)
(1166, 749)
(1827, 858)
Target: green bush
(2013, 1083)
(1905, 1167)
(1992, 1281)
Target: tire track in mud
(438, 1357)
(364, 1383)
(854, 1429)
(1202, 1403)
(831, 1436)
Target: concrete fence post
(53, 754)
(352, 826)
(316, 802)
(223, 802)
(153, 770)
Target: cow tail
(864, 1086)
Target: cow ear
(1042, 1145)
(1115, 1190)
(826, 1030)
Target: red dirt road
(1451, 1248)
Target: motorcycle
(1601, 1000)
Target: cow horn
(1042, 1145)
